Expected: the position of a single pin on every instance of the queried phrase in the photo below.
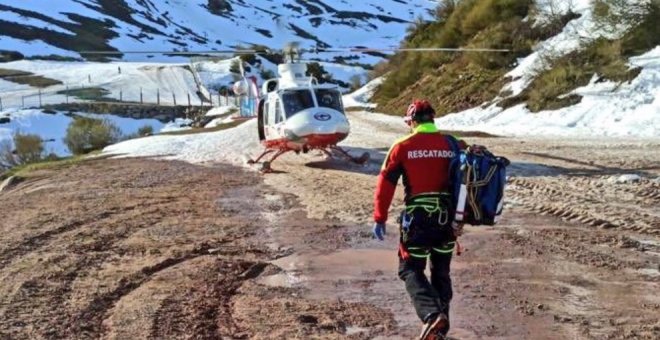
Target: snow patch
(625, 179)
(574, 35)
(607, 109)
(362, 96)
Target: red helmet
(418, 109)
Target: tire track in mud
(89, 321)
(585, 202)
(206, 310)
(40, 240)
(140, 203)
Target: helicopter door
(261, 118)
(272, 106)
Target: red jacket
(422, 158)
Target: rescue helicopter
(295, 112)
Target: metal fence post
(158, 97)
(174, 98)
(189, 100)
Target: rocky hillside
(64, 27)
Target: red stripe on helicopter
(313, 141)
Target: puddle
(350, 330)
(342, 265)
(286, 280)
(649, 272)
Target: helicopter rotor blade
(180, 53)
(417, 49)
(292, 47)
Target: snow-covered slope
(55, 27)
(606, 109)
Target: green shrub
(87, 134)
(29, 148)
(235, 66)
(266, 74)
(317, 71)
(356, 82)
(146, 130)
(25, 149)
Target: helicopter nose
(318, 121)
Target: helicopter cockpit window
(329, 98)
(296, 101)
(278, 113)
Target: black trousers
(423, 239)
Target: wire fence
(69, 95)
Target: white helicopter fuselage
(296, 113)
(308, 129)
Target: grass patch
(458, 81)
(454, 87)
(226, 114)
(194, 131)
(27, 78)
(35, 81)
(357, 108)
(89, 93)
(5, 73)
(28, 170)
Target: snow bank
(574, 35)
(607, 109)
(221, 110)
(227, 145)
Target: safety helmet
(417, 110)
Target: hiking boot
(433, 328)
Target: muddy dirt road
(138, 248)
(576, 256)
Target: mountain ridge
(69, 26)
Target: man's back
(422, 159)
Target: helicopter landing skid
(265, 166)
(364, 158)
